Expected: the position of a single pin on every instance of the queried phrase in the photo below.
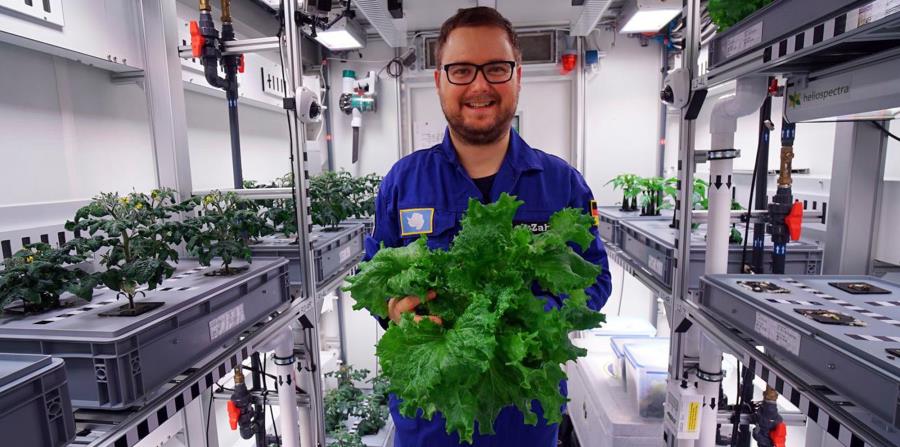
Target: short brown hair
(477, 16)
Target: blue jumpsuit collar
(520, 157)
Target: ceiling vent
(538, 47)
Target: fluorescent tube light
(648, 16)
(343, 35)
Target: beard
(485, 134)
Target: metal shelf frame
(128, 428)
(822, 40)
(802, 37)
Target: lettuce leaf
(498, 345)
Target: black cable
(750, 209)
(266, 396)
(736, 414)
(287, 114)
(884, 129)
(208, 413)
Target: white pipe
(286, 379)
(748, 98)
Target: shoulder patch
(416, 221)
(595, 213)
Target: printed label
(776, 332)
(657, 265)
(744, 40)
(693, 418)
(220, 325)
(345, 254)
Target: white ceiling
(423, 15)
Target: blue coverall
(427, 192)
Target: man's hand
(397, 306)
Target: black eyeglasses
(494, 72)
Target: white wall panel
(379, 136)
(68, 132)
(107, 30)
(264, 142)
(621, 114)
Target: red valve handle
(234, 413)
(794, 220)
(241, 64)
(779, 435)
(197, 39)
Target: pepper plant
(348, 401)
(38, 274)
(139, 237)
(630, 186)
(653, 191)
(223, 227)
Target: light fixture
(648, 16)
(345, 34)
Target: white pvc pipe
(286, 379)
(748, 98)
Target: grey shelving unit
(35, 409)
(335, 251)
(611, 216)
(116, 362)
(651, 245)
(803, 36)
(852, 347)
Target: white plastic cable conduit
(748, 98)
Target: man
(478, 81)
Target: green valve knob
(349, 74)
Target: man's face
(480, 112)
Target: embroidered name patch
(416, 221)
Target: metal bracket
(284, 360)
(723, 154)
(710, 377)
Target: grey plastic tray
(368, 223)
(334, 251)
(652, 245)
(118, 362)
(851, 360)
(610, 216)
(35, 408)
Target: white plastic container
(646, 365)
(617, 344)
(598, 340)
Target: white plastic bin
(618, 349)
(646, 365)
(598, 340)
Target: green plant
(330, 196)
(139, 237)
(38, 274)
(653, 190)
(363, 195)
(630, 186)
(347, 400)
(496, 346)
(346, 438)
(699, 197)
(223, 227)
(725, 13)
(381, 389)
